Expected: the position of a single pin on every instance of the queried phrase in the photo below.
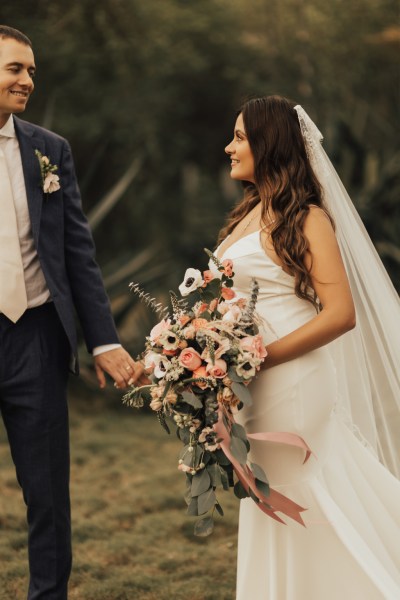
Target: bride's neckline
(220, 255)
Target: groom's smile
(17, 69)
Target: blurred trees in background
(148, 90)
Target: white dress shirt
(36, 287)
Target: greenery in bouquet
(200, 359)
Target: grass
(132, 539)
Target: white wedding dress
(350, 547)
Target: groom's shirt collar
(8, 130)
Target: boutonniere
(50, 181)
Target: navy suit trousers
(34, 356)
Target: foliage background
(147, 91)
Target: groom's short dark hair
(10, 32)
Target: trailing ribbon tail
(275, 502)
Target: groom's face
(17, 69)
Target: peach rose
(207, 276)
(218, 369)
(201, 372)
(199, 323)
(190, 359)
(227, 293)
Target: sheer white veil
(367, 358)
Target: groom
(47, 268)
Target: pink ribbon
(275, 502)
(283, 437)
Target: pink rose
(190, 359)
(207, 276)
(199, 323)
(227, 293)
(158, 329)
(218, 369)
(228, 264)
(201, 372)
(254, 345)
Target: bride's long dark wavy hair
(284, 184)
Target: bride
(331, 327)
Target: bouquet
(201, 358)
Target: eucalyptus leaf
(263, 487)
(183, 434)
(213, 286)
(238, 449)
(187, 497)
(241, 392)
(258, 472)
(239, 491)
(201, 482)
(192, 399)
(192, 509)
(206, 501)
(183, 452)
(239, 431)
(221, 458)
(253, 496)
(204, 527)
(206, 456)
(205, 315)
(233, 376)
(207, 296)
(219, 509)
(224, 479)
(215, 475)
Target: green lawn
(132, 539)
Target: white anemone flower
(151, 360)
(191, 281)
(169, 340)
(246, 366)
(161, 367)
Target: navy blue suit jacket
(64, 242)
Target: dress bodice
(281, 310)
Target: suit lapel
(29, 141)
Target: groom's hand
(120, 366)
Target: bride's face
(242, 161)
